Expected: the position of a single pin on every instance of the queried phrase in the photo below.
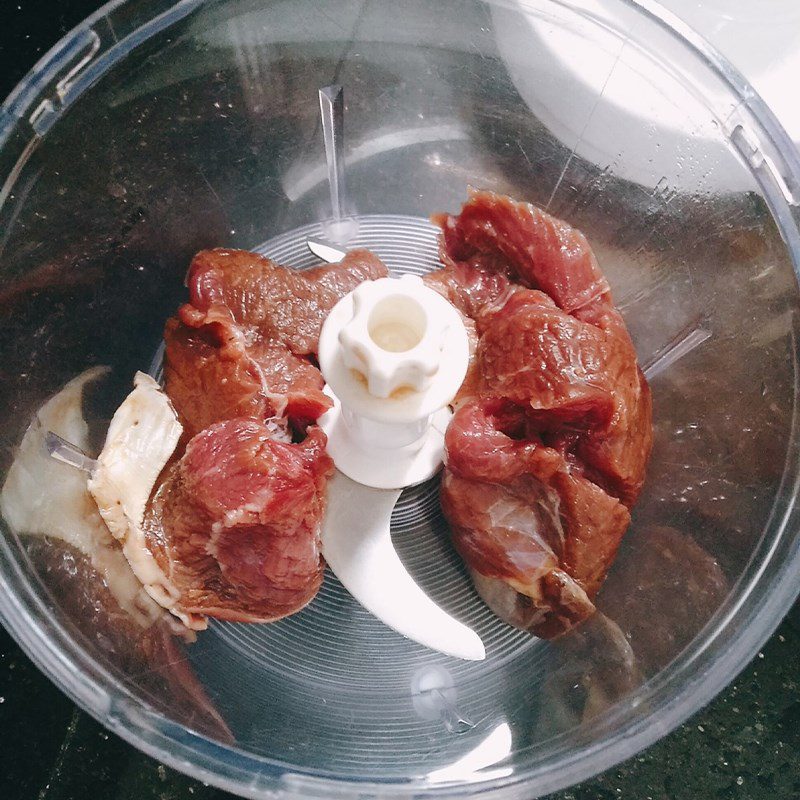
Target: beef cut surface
(208, 382)
(547, 451)
(234, 523)
(285, 305)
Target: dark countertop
(743, 745)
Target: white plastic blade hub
(394, 354)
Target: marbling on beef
(208, 382)
(548, 449)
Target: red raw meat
(235, 524)
(499, 235)
(243, 343)
(522, 513)
(284, 305)
(548, 449)
(536, 355)
(208, 382)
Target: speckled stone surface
(744, 745)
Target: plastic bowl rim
(68, 666)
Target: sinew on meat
(243, 345)
(208, 382)
(547, 450)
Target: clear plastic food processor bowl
(158, 128)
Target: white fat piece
(44, 497)
(141, 439)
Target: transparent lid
(156, 129)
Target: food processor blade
(357, 544)
(325, 250)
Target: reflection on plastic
(679, 346)
(300, 179)
(433, 694)
(493, 749)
